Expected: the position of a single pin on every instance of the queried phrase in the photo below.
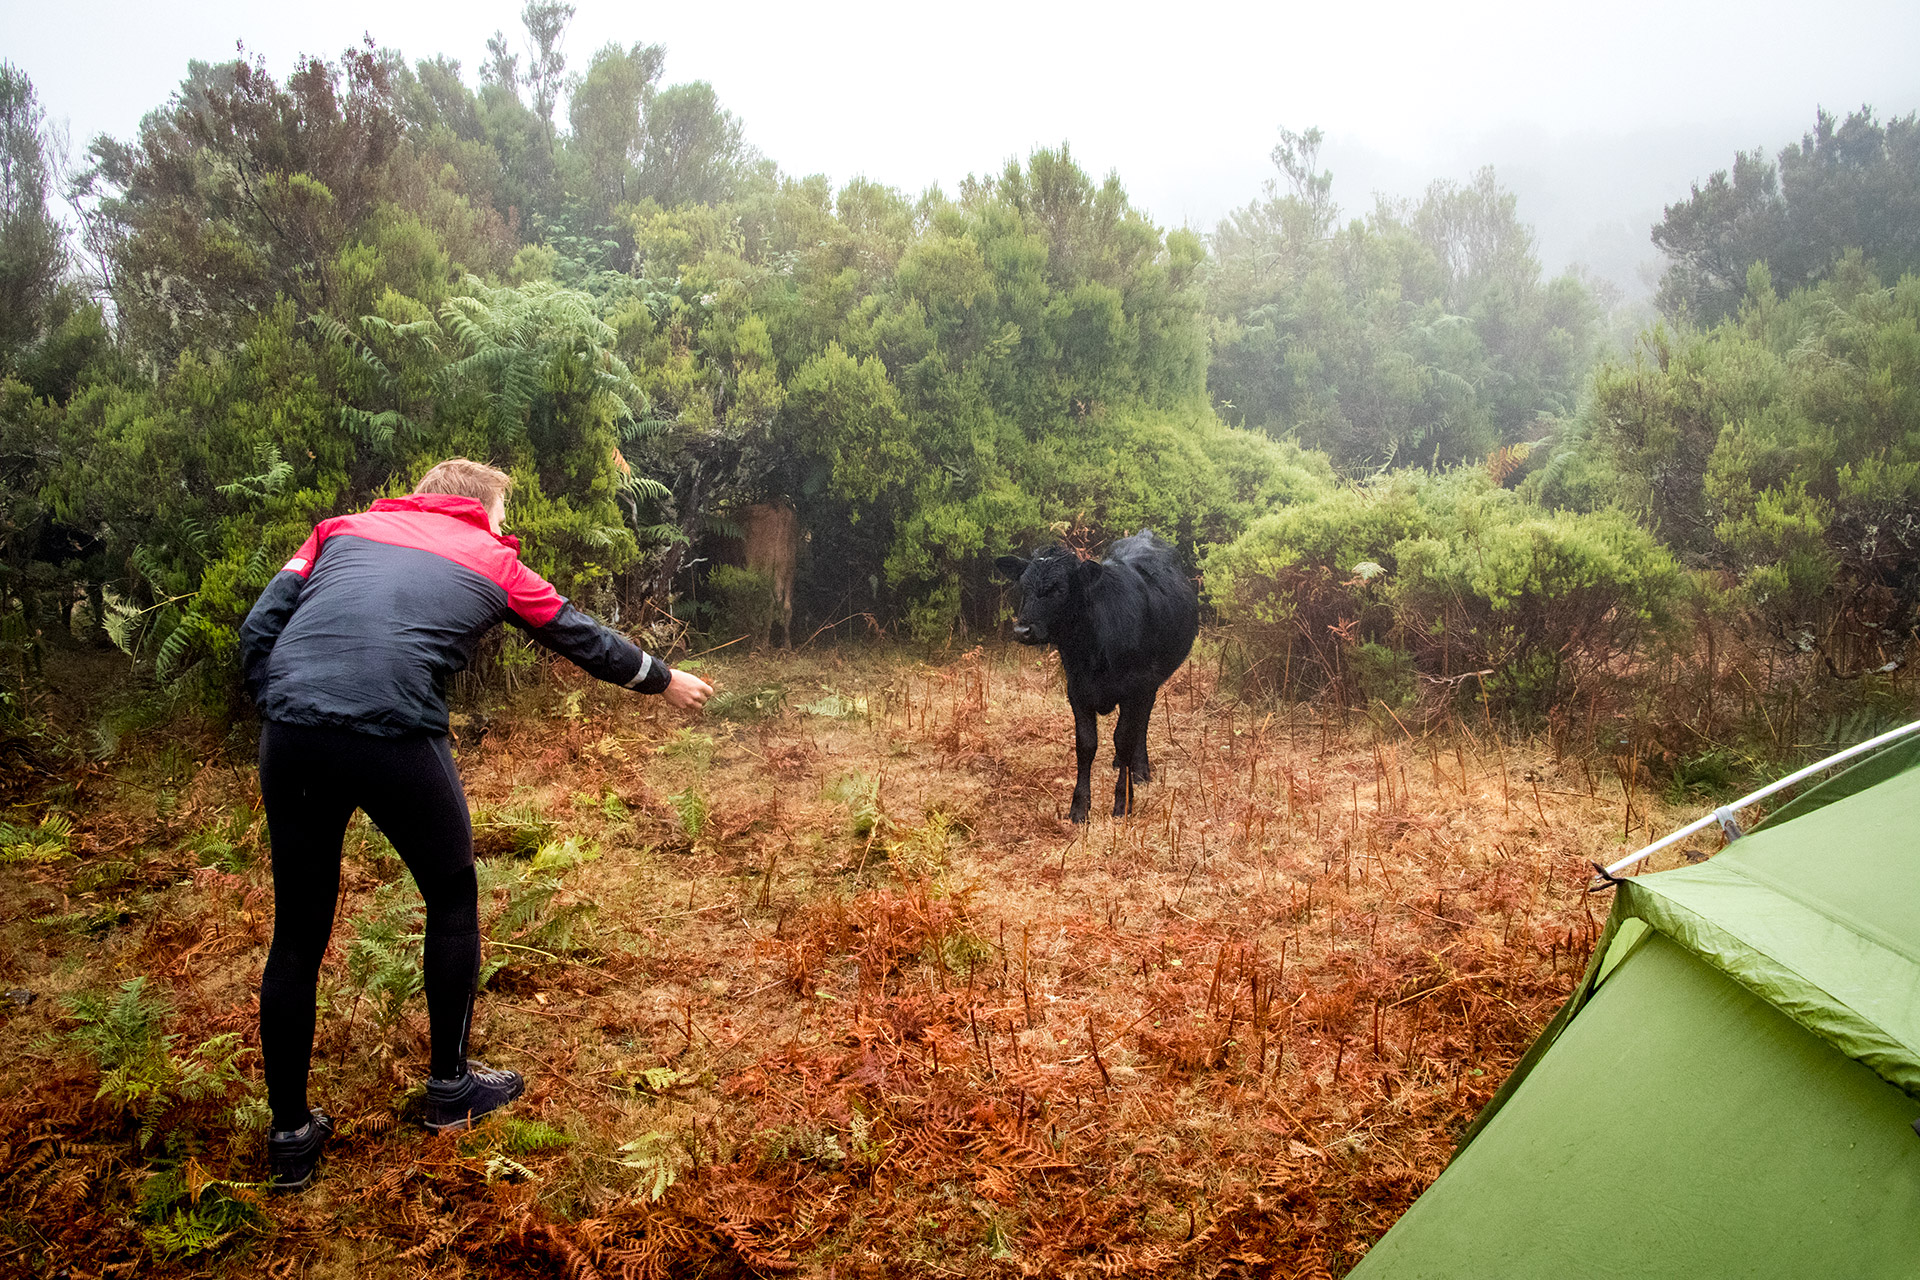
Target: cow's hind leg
(1143, 771)
(1129, 751)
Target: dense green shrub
(1549, 603)
(1301, 586)
(1779, 454)
(1450, 574)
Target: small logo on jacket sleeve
(296, 565)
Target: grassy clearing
(821, 983)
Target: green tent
(1731, 1090)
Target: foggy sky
(1596, 116)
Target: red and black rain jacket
(375, 613)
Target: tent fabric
(1850, 869)
(1820, 917)
(1859, 993)
(1757, 1010)
(1858, 776)
(1681, 1127)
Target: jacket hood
(468, 510)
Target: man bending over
(348, 653)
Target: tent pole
(1724, 814)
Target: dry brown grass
(885, 1013)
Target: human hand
(688, 692)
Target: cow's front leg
(1086, 742)
(1128, 746)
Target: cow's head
(1052, 592)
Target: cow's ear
(1088, 571)
(1012, 566)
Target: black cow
(1122, 625)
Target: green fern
(171, 657)
(383, 960)
(140, 1074)
(536, 922)
(273, 477)
(47, 842)
(379, 430)
(692, 808)
(149, 567)
(357, 350)
(332, 330)
(260, 565)
(525, 828)
(510, 336)
(123, 624)
(603, 536)
(518, 1137)
(421, 332)
(563, 855)
(689, 745)
(181, 1221)
(193, 534)
(120, 1031)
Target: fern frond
(174, 649)
(646, 428)
(147, 563)
(259, 566)
(331, 329)
(1503, 462)
(123, 625)
(194, 534)
(377, 429)
(423, 332)
(363, 355)
(661, 535)
(647, 487)
(273, 477)
(464, 318)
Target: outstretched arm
(600, 651)
(597, 649)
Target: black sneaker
(292, 1154)
(457, 1103)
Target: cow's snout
(1023, 633)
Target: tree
(502, 67)
(241, 190)
(433, 96)
(33, 251)
(546, 22)
(693, 152)
(1419, 335)
(1852, 184)
(1476, 234)
(608, 115)
(1298, 156)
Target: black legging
(312, 780)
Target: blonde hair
(465, 478)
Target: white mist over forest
(1595, 118)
